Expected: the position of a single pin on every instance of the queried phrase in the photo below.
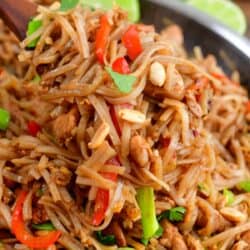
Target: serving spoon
(16, 14)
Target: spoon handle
(16, 15)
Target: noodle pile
(187, 138)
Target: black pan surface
(231, 50)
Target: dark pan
(231, 50)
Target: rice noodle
(185, 134)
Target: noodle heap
(186, 137)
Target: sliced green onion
(175, 214)
(47, 226)
(105, 239)
(244, 185)
(4, 119)
(229, 195)
(150, 225)
(33, 26)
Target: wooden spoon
(16, 14)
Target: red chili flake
(165, 142)
(33, 128)
(195, 132)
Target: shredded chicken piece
(139, 149)
(39, 214)
(61, 176)
(64, 124)
(193, 243)
(171, 237)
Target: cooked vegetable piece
(46, 226)
(244, 185)
(105, 239)
(175, 214)
(150, 225)
(33, 128)
(120, 65)
(19, 230)
(102, 35)
(102, 199)
(131, 41)
(4, 119)
(229, 195)
(33, 26)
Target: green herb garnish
(244, 185)
(174, 214)
(229, 195)
(105, 239)
(33, 26)
(47, 226)
(123, 82)
(68, 4)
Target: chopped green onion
(47, 226)
(150, 225)
(68, 4)
(123, 82)
(229, 195)
(4, 119)
(33, 26)
(105, 239)
(36, 79)
(244, 185)
(203, 188)
(174, 214)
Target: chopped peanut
(133, 116)
(99, 136)
(157, 74)
(233, 214)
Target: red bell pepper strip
(165, 142)
(224, 78)
(132, 42)
(18, 228)
(248, 106)
(102, 38)
(115, 120)
(33, 128)
(102, 195)
(121, 66)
